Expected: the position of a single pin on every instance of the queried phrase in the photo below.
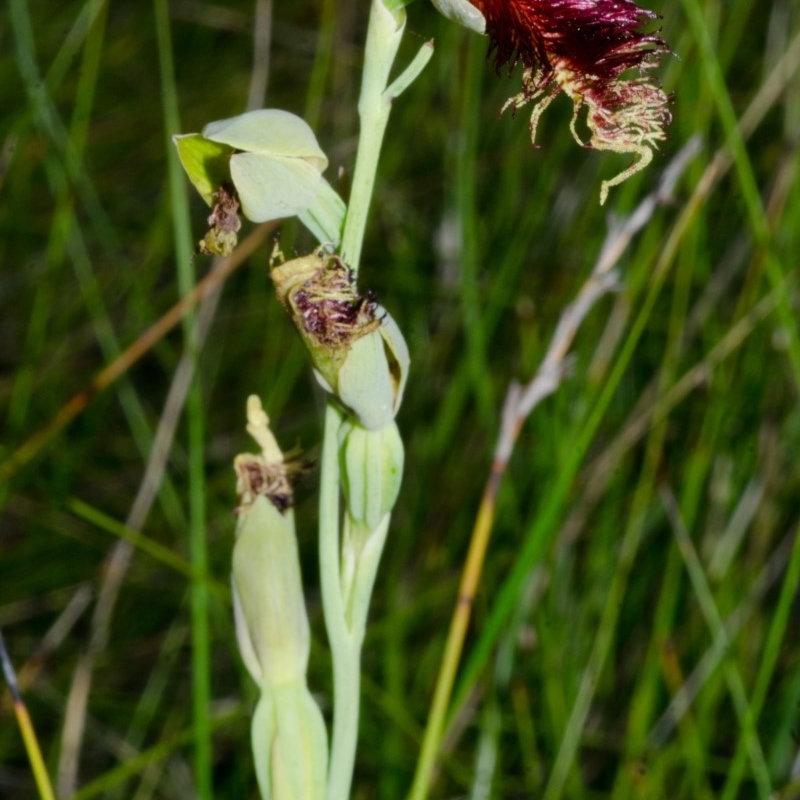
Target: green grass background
(646, 537)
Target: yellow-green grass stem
(470, 578)
(32, 748)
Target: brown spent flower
(583, 48)
(320, 294)
(357, 350)
(271, 473)
(223, 224)
(255, 476)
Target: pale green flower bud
(356, 348)
(271, 620)
(288, 734)
(372, 470)
(270, 611)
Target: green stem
(347, 686)
(345, 647)
(346, 602)
(383, 39)
(346, 621)
(330, 573)
(374, 105)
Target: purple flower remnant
(583, 48)
(321, 296)
(331, 308)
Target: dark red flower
(584, 48)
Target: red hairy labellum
(583, 48)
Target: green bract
(371, 381)
(271, 619)
(290, 744)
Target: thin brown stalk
(106, 377)
(651, 405)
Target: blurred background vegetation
(637, 626)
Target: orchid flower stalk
(267, 164)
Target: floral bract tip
(583, 48)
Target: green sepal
(206, 163)
(463, 13)
(371, 381)
(273, 187)
(271, 132)
(290, 744)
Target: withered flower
(270, 473)
(223, 224)
(288, 734)
(585, 48)
(320, 294)
(357, 350)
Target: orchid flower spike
(583, 48)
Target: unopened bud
(372, 470)
(271, 619)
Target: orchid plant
(268, 165)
